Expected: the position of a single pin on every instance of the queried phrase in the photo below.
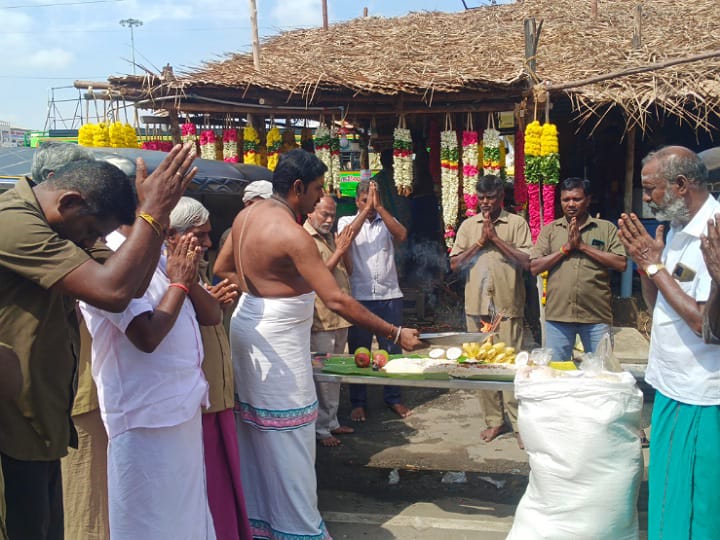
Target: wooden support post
(365, 12)
(532, 36)
(325, 14)
(174, 125)
(255, 37)
(629, 169)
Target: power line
(24, 6)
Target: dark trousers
(391, 311)
(33, 498)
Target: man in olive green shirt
(43, 268)
(578, 251)
(494, 246)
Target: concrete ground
(441, 436)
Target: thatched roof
(424, 56)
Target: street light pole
(132, 23)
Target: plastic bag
(603, 359)
(581, 434)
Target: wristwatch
(653, 269)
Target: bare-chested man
(279, 268)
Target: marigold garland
(230, 146)
(101, 136)
(274, 141)
(251, 146)
(449, 157)
(402, 161)
(130, 136)
(86, 134)
(114, 135)
(550, 168)
(470, 154)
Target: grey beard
(673, 210)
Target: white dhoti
(275, 413)
(156, 484)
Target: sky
(51, 43)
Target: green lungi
(684, 471)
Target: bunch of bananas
(487, 352)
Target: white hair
(188, 213)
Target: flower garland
(274, 141)
(402, 161)
(189, 133)
(520, 186)
(207, 144)
(251, 146)
(157, 145)
(101, 136)
(491, 152)
(86, 134)
(230, 146)
(550, 169)
(533, 133)
(470, 154)
(322, 151)
(449, 183)
(544, 277)
(116, 133)
(130, 136)
(336, 167)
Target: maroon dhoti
(222, 467)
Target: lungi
(222, 466)
(276, 411)
(156, 484)
(84, 478)
(683, 473)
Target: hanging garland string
(470, 156)
(336, 167)
(274, 142)
(449, 157)
(322, 151)
(533, 175)
(402, 158)
(520, 186)
(251, 146)
(549, 169)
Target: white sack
(586, 464)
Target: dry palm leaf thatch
(482, 52)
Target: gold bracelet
(154, 223)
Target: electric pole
(132, 23)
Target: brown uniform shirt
(40, 324)
(493, 276)
(217, 364)
(578, 287)
(86, 398)
(324, 319)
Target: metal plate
(450, 339)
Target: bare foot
(330, 441)
(357, 414)
(343, 430)
(520, 442)
(492, 432)
(401, 410)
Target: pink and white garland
(470, 156)
(189, 133)
(230, 146)
(322, 151)
(207, 144)
(491, 152)
(449, 183)
(336, 167)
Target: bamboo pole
(255, 37)
(325, 14)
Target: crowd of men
(179, 430)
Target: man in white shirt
(685, 371)
(146, 363)
(374, 283)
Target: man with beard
(494, 247)
(330, 330)
(577, 250)
(279, 267)
(685, 371)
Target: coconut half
(453, 353)
(436, 353)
